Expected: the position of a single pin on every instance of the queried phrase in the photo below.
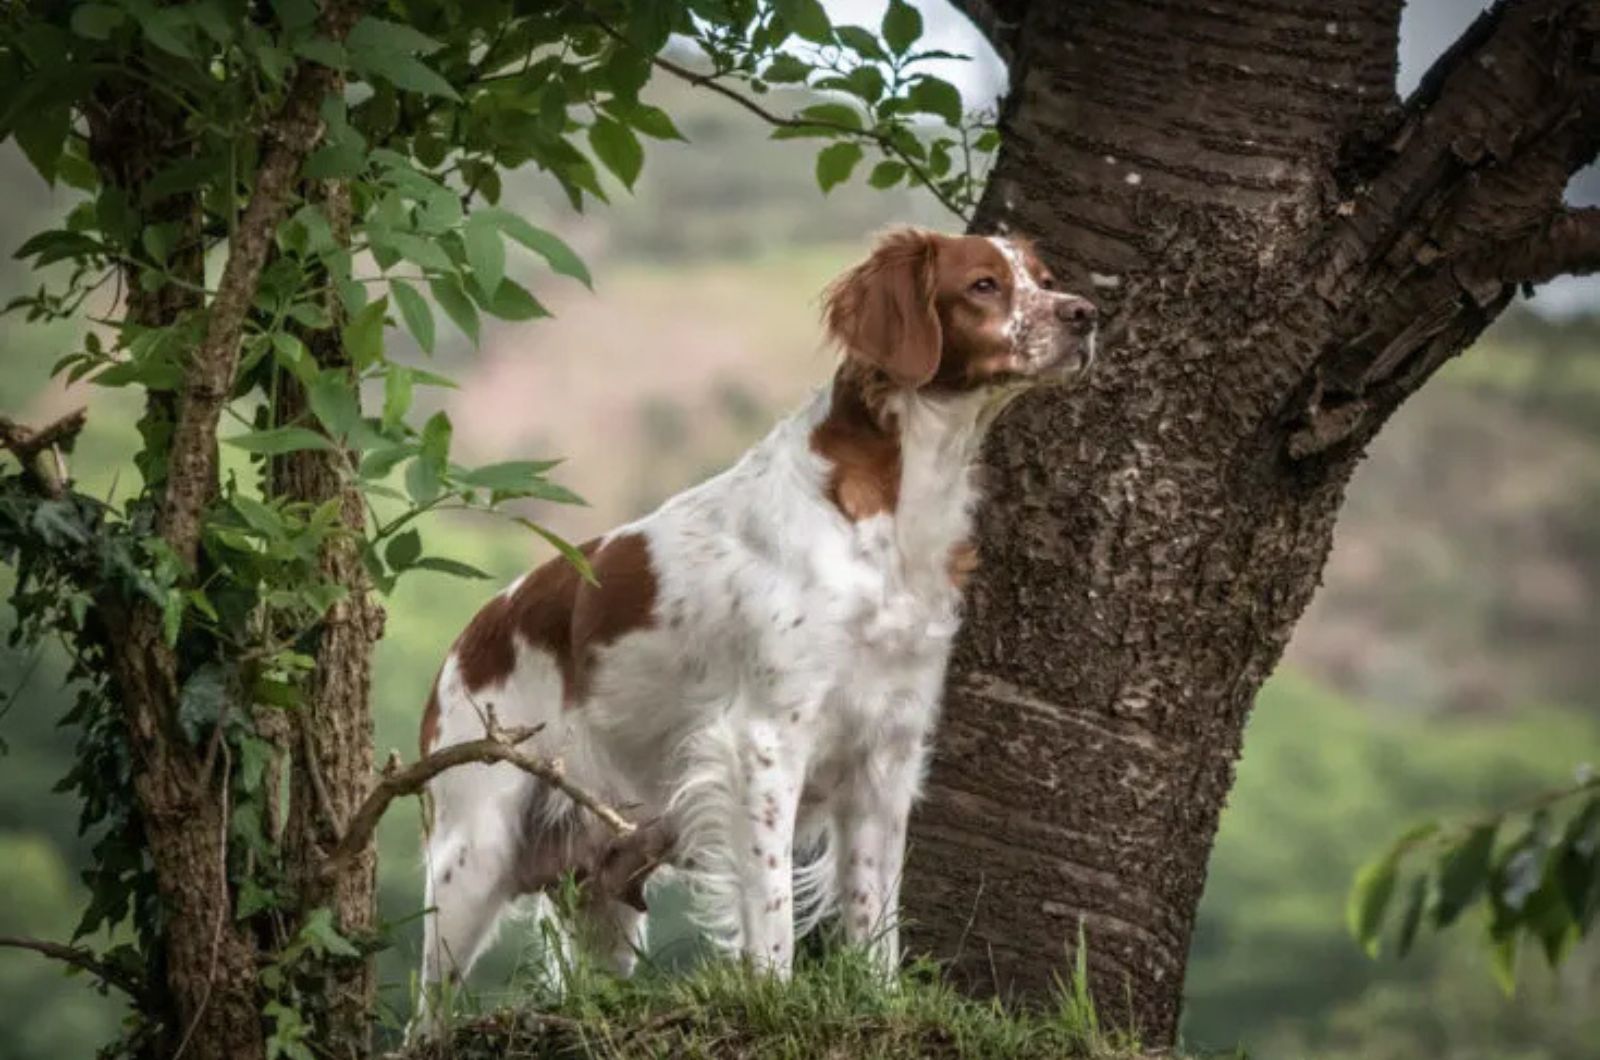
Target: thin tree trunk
(330, 743)
(209, 962)
(1285, 254)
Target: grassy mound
(835, 1006)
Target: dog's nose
(1080, 313)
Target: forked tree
(1286, 251)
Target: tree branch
(497, 745)
(192, 463)
(78, 958)
(1484, 146)
(709, 81)
(1566, 245)
(30, 446)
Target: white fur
(778, 711)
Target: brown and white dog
(759, 666)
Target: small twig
(497, 745)
(78, 958)
(709, 81)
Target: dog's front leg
(772, 771)
(872, 809)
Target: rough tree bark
(1285, 252)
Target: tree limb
(496, 745)
(192, 469)
(30, 446)
(78, 958)
(1483, 148)
(709, 81)
(1567, 245)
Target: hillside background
(1450, 662)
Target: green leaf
(930, 95)
(807, 18)
(565, 547)
(419, 249)
(561, 258)
(363, 336)
(334, 402)
(652, 121)
(886, 174)
(835, 164)
(379, 462)
(376, 34)
(396, 394)
(404, 550)
(324, 937)
(405, 72)
(96, 21)
(416, 313)
(862, 42)
(486, 253)
(511, 476)
(1463, 872)
(511, 301)
(449, 566)
(1411, 918)
(279, 440)
(832, 114)
(787, 69)
(456, 305)
(41, 132)
(618, 148)
(902, 25)
(1369, 898)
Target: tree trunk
(208, 961)
(330, 743)
(1284, 253)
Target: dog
(756, 667)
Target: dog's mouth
(1068, 358)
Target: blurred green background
(1449, 663)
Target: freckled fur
(760, 667)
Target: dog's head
(957, 313)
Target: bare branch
(78, 957)
(497, 745)
(1483, 148)
(31, 446)
(291, 135)
(709, 81)
(1567, 245)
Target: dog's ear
(882, 311)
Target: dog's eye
(1048, 283)
(986, 285)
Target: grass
(836, 1005)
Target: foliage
(1534, 869)
(1272, 967)
(167, 120)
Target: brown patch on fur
(605, 866)
(428, 737)
(882, 311)
(555, 609)
(861, 440)
(963, 560)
